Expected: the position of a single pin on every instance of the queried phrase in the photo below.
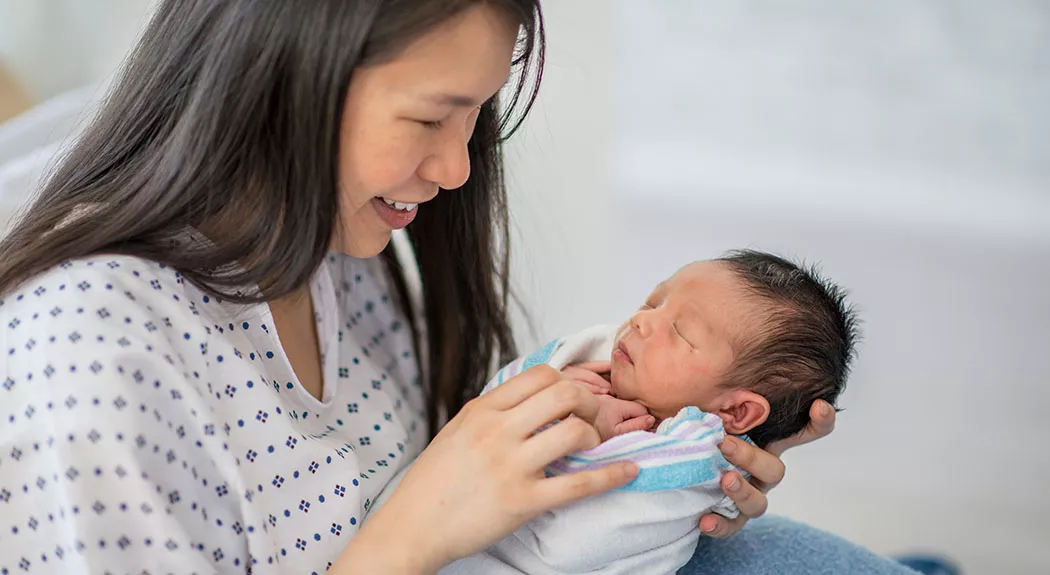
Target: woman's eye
(433, 125)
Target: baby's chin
(615, 376)
(620, 381)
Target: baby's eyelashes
(679, 332)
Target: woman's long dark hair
(226, 117)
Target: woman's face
(407, 122)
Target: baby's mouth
(621, 353)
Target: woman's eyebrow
(455, 100)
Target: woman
(207, 368)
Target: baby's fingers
(641, 423)
(595, 389)
(588, 378)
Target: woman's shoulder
(97, 277)
(96, 375)
(97, 327)
(103, 305)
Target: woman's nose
(449, 165)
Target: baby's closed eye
(679, 332)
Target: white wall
(57, 45)
(914, 113)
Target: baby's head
(750, 337)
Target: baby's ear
(743, 411)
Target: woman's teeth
(400, 205)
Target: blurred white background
(903, 144)
(55, 45)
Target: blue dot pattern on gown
(148, 428)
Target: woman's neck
(293, 315)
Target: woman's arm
(766, 469)
(483, 477)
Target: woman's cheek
(378, 175)
(400, 156)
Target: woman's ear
(742, 411)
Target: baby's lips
(621, 351)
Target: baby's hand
(594, 383)
(615, 416)
(618, 416)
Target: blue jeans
(771, 545)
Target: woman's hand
(766, 469)
(482, 477)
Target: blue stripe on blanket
(678, 475)
(543, 355)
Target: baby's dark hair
(807, 342)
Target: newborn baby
(742, 344)
(751, 338)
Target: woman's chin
(367, 247)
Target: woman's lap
(778, 545)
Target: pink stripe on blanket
(566, 466)
(622, 441)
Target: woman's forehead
(464, 60)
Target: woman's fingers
(821, 423)
(766, 469)
(718, 527)
(749, 499)
(566, 436)
(564, 489)
(556, 401)
(521, 387)
(599, 367)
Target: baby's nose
(640, 323)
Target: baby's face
(678, 347)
